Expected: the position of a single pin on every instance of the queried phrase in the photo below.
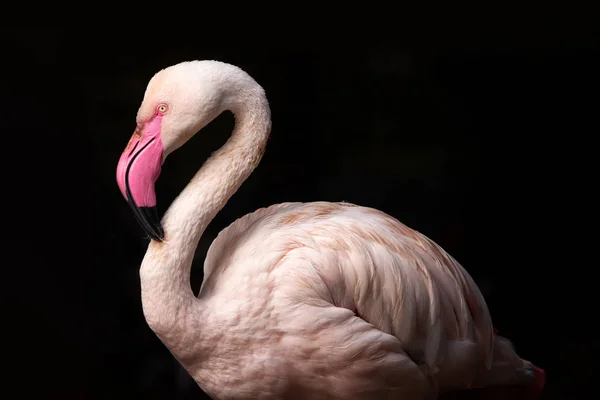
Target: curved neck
(170, 307)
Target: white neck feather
(170, 307)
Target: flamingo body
(351, 303)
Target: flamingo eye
(162, 108)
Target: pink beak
(137, 172)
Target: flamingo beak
(137, 172)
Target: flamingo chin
(137, 171)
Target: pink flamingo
(299, 300)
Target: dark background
(484, 141)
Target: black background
(484, 142)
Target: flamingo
(312, 300)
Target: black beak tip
(152, 224)
(157, 237)
(160, 237)
(148, 219)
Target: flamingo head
(178, 102)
